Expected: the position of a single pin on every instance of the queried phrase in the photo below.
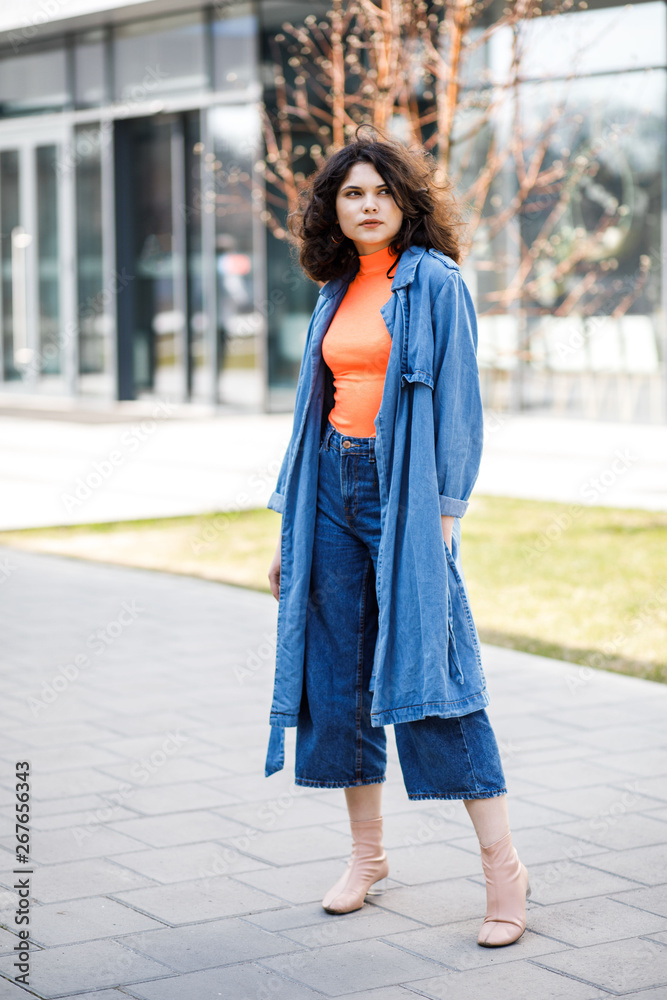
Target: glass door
(37, 289)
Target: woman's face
(366, 210)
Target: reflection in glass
(32, 82)
(89, 70)
(9, 220)
(94, 320)
(47, 261)
(158, 57)
(199, 382)
(234, 134)
(603, 40)
(600, 285)
(234, 48)
(158, 326)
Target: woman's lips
(372, 225)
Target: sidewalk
(167, 867)
(162, 463)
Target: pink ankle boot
(506, 891)
(366, 871)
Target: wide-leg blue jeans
(336, 746)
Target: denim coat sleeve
(458, 413)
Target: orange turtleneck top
(357, 344)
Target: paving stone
(412, 829)
(344, 968)
(649, 763)
(508, 981)
(296, 883)
(98, 995)
(616, 831)
(10, 991)
(78, 781)
(201, 899)
(643, 864)
(619, 966)
(181, 769)
(536, 845)
(455, 945)
(595, 716)
(437, 902)
(514, 727)
(84, 920)
(46, 760)
(570, 879)
(7, 940)
(569, 774)
(74, 880)
(284, 812)
(191, 861)
(56, 736)
(180, 828)
(235, 982)
(431, 862)
(137, 724)
(87, 817)
(562, 752)
(386, 993)
(236, 761)
(208, 945)
(174, 798)
(370, 922)
(660, 993)
(527, 812)
(660, 936)
(301, 915)
(72, 804)
(81, 967)
(654, 787)
(584, 922)
(589, 803)
(140, 747)
(84, 841)
(288, 847)
(623, 738)
(654, 899)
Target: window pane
(33, 81)
(95, 324)
(89, 70)
(47, 260)
(240, 324)
(9, 220)
(234, 48)
(588, 41)
(159, 57)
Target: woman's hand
(274, 573)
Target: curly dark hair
(430, 215)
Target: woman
(374, 624)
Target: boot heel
(377, 888)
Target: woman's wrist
(447, 527)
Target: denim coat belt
(428, 447)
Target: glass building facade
(134, 262)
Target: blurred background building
(137, 261)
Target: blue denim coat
(428, 447)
